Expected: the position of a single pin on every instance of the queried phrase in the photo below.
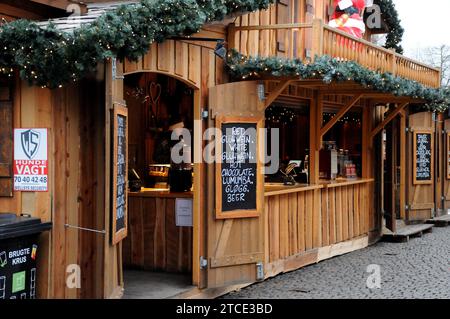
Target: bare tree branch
(439, 57)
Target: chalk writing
(423, 157)
(239, 166)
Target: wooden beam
(390, 117)
(276, 93)
(339, 115)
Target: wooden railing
(307, 40)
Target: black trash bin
(18, 253)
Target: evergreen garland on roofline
(50, 58)
(332, 70)
(390, 16)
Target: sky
(426, 23)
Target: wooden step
(442, 221)
(405, 233)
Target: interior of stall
(340, 158)
(157, 253)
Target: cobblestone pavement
(417, 269)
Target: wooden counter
(154, 241)
(341, 182)
(280, 189)
(160, 193)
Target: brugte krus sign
(30, 160)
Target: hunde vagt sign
(30, 160)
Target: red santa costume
(347, 17)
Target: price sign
(423, 157)
(239, 175)
(120, 174)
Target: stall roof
(97, 9)
(94, 11)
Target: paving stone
(418, 269)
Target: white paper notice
(30, 160)
(183, 209)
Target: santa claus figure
(347, 17)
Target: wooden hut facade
(290, 227)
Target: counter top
(340, 182)
(160, 192)
(280, 189)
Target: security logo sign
(30, 160)
(30, 143)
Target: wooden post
(232, 36)
(367, 142)
(394, 62)
(315, 140)
(317, 39)
(403, 164)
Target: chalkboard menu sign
(239, 178)
(120, 175)
(423, 157)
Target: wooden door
(446, 166)
(234, 246)
(421, 167)
(113, 270)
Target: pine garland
(390, 16)
(50, 58)
(332, 70)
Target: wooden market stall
(114, 208)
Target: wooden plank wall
(154, 241)
(280, 42)
(192, 62)
(74, 152)
(297, 223)
(78, 161)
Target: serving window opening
(292, 123)
(341, 153)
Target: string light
(58, 57)
(326, 68)
(280, 115)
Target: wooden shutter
(446, 166)
(234, 246)
(420, 196)
(6, 141)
